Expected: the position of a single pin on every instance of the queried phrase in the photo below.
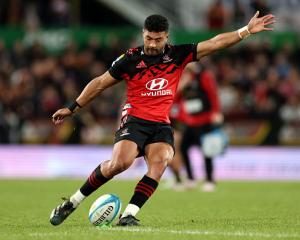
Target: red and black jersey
(152, 80)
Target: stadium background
(49, 50)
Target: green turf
(237, 210)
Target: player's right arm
(92, 90)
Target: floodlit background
(50, 49)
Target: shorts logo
(124, 132)
(157, 84)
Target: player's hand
(59, 115)
(258, 24)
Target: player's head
(155, 34)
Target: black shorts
(144, 132)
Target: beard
(153, 51)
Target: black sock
(209, 169)
(95, 180)
(143, 191)
(185, 145)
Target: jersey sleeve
(118, 67)
(187, 53)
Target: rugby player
(151, 72)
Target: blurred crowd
(255, 82)
(33, 84)
(57, 13)
(44, 12)
(189, 14)
(222, 14)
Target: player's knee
(113, 167)
(157, 168)
(163, 160)
(162, 163)
(122, 166)
(171, 162)
(119, 165)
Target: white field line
(179, 232)
(206, 233)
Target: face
(154, 42)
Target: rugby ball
(104, 210)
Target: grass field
(237, 210)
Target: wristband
(244, 30)
(73, 106)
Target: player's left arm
(224, 40)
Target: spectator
(239, 13)
(217, 16)
(255, 82)
(261, 6)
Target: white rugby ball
(104, 210)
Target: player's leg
(209, 181)
(157, 156)
(186, 143)
(188, 140)
(176, 164)
(208, 162)
(123, 155)
(209, 184)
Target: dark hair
(156, 23)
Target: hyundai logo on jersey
(157, 84)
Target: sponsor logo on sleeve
(120, 57)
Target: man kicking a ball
(151, 72)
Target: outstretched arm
(228, 39)
(92, 90)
